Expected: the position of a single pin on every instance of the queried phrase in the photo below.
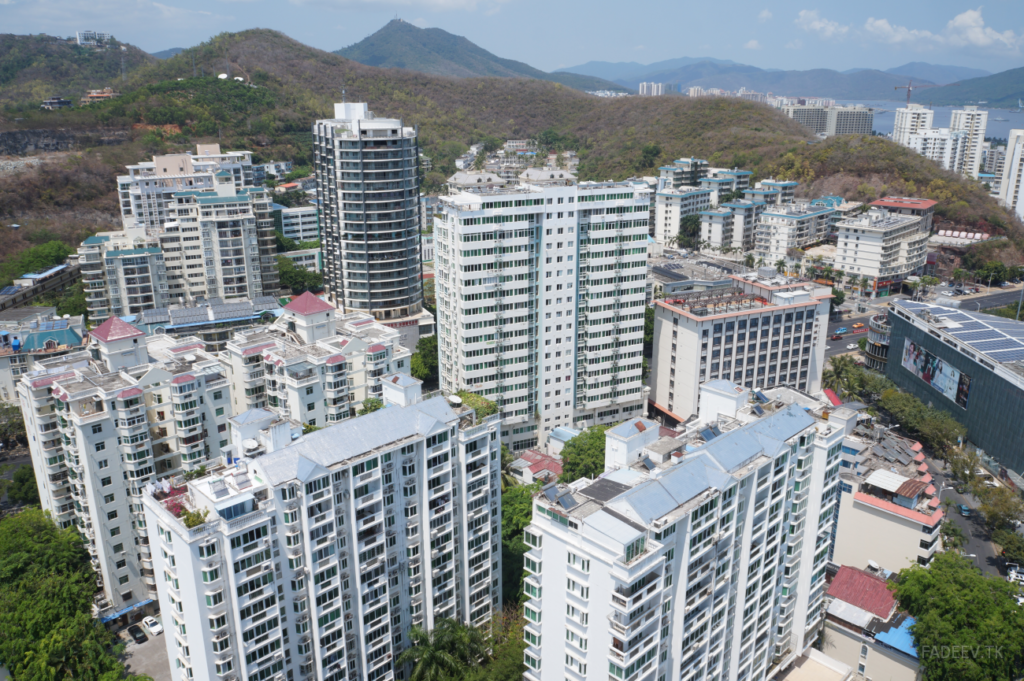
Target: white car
(852, 346)
(152, 625)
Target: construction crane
(910, 87)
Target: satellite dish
(250, 444)
(240, 79)
(455, 399)
(873, 565)
(67, 316)
(190, 358)
(223, 76)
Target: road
(979, 542)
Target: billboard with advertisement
(936, 372)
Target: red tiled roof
(911, 488)
(923, 468)
(376, 347)
(257, 348)
(184, 378)
(918, 517)
(934, 502)
(191, 346)
(930, 491)
(336, 359)
(927, 477)
(115, 329)
(666, 432)
(863, 590)
(832, 397)
(129, 393)
(903, 202)
(41, 382)
(541, 462)
(919, 458)
(307, 304)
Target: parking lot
(148, 657)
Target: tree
(648, 332)
(298, 279)
(424, 360)
(507, 646)
(963, 464)
(22, 489)
(649, 154)
(957, 608)
(952, 536)
(748, 260)
(12, 424)
(432, 654)
(516, 514)
(689, 231)
(583, 455)
(838, 298)
(999, 505)
(1013, 545)
(863, 285)
(370, 405)
(780, 265)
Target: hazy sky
(548, 35)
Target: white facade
(317, 558)
(24, 339)
(301, 223)
(672, 205)
(695, 560)
(792, 226)
(973, 123)
(652, 89)
(306, 258)
(946, 147)
(732, 335)
(541, 294)
(121, 277)
(732, 225)
(104, 422)
(882, 246)
(911, 120)
(147, 192)
(1010, 194)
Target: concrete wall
(880, 664)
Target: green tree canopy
(1013, 546)
(838, 298)
(959, 608)
(516, 513)
(370, 405)
(583, 455)
(298, 279)
(424, 359)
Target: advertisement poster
(936, 372)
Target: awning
(125, 611)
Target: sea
(885, 117)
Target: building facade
(104, 422)
(368, 191)
(301, 223)
(788, 227)
(911, 120)
(883, 247)
(672, 205)
(689, 558)
(973, 124)
(1012, 180)
(732, 225)
(121, 278)
(541, 290)
(760, 333)
(315, 559)
(948, 148)
(31, 334)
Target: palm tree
(863, 285)
(443, 652)
(810, 271)
(830, 381)
(749, 260)
(827, 272)
(760, 262)
(780, 265)
(838, 274)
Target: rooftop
(307, 304)
(867, 591)
(114, 330)
(904, 202)
(997, 338)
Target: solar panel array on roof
(707, 435)
(9, 290)
(551, 492)
(649, 464)
(54, 325)
(759, 410)
(1000, 339)
(761, 396)
(567, 501)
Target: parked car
(836, 337)
(858, 325)
(852, 346)
(152, 625)
(964, 511)
(137, 634)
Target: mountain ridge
(399, 44)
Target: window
(97, 428)
(311, 406)
(111, 515)
(102, 463)
(115, 531)
(108, 498)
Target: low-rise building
(31, 285)
(276, 168)
(683, 172)
(732, 225)
(104, 422)
(30, 334)
(791, 226)
(54, 103)
(300, 223)
(309, 259)
(865, 628)
(882, 246)
(211, 321)
(764, 331)
(317, 556)
(672, 205)
(535, 466)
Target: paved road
(979, 542)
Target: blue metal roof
(95, 240)
(900, 638)
(125, 611)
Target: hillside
(936, 73)
(33, 68)
(401, 45)
(631, 70)
(296, 84)
(167, 54)
(1000, 90)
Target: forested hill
(401, 45)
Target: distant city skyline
(782, 35)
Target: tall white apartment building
(104, 422)
(691, 558)
(1010, 194)
(974, 123)
(146, 193)
(121, 277)
(316, 559)
(791, 226)
(686, 172)
(948, 148)
(368, 192)
(541, 291)
(310, 366)
(651, 89)
(672, 205)
(995, 157)
(764, 331)
(882, 246)
(732, 225)
(911, 120)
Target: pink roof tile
(832, 397)
(930, 491)
(376, 347)
(934, 502)
(336, 359)
(923, 468)
(48, 380)
(864, 590)
(184, 378)
(919, 457)
(257, 348)
(308, 304)
(115, 329)
(927, 477)
(129, 393)
(918, 517)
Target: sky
(782, 34)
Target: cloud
(794, 44)
(421, 22)
(752, 45)
(640, 48)
(764, 16)
(809, 20)
(964, 30)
